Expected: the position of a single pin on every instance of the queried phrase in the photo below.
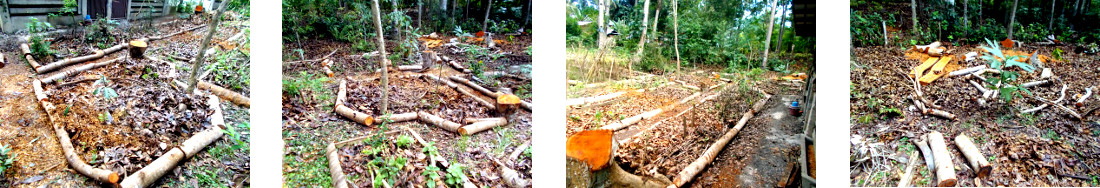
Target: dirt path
(773, 136)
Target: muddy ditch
(1047, 148)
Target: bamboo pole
(78, 69)
(974, 155)
(945, 169)
(697, 166)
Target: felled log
(967, 71)
(907, 177)
(355, 116)
(30, 58)
(462, 90)
(1035, 83)
(941, 113)
(922, 144)
(480, 126)
(712, 151)
(69, 61)
(410, 68)
(646, 115)
(1081, 100)
(393, 118)
(519, 150)
(150, 173)
(226, 94)
(937, 52)
(75, 70)
(487, 92)
(67, 148)
(945, 169)
(458, 67)
(438, 121)
(176, 33)
(509, 176)
(974, 155)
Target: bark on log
(69, 61)
(697, 166)
(1081, 101)
(226, 94)
(974, 155)
(75, 70)
(1035, 83)
(945, 169)
(150, 173)
(907, 177)
(355, 116)
(438, 121)
(967, 71)
(393, 118)
(647, 115)
(342, 93)
(480, 126)
(510, 177)
(410, 68)
(483, 102)
(942, 114)
(339, 180)
(922, 144)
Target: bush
(40, 48)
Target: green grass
(302, 172)
(505, 140)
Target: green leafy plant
(235, 136)
(1058, 53)
(403, 141)
(432, 175)
(6, 158)
(997, 60)
(388, 168)
(463, 142)
(430, 149)
(40, 48)
(454, 175)
(102, 89)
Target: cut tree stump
(165, 163)
(712, 151)
(974, 155)
(945, 169)
(507, 103)
(137, 48)
(593, 147)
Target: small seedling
(454, 175)
(403, 141)
(432, 174)
(6, 158)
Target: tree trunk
(1012, 18)
(782, 20)
(966, 15)
(656, 16)
(438, 121)
(768, 37)
(601, 31)
(485, 23)
(385, 63)
(396, 30)
(645, 27)
(1050, 26)
(913, 8)
(676, 32)
(196, 66)
(419, 14)
(191, 147)
(526, 15)
(945, 169)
